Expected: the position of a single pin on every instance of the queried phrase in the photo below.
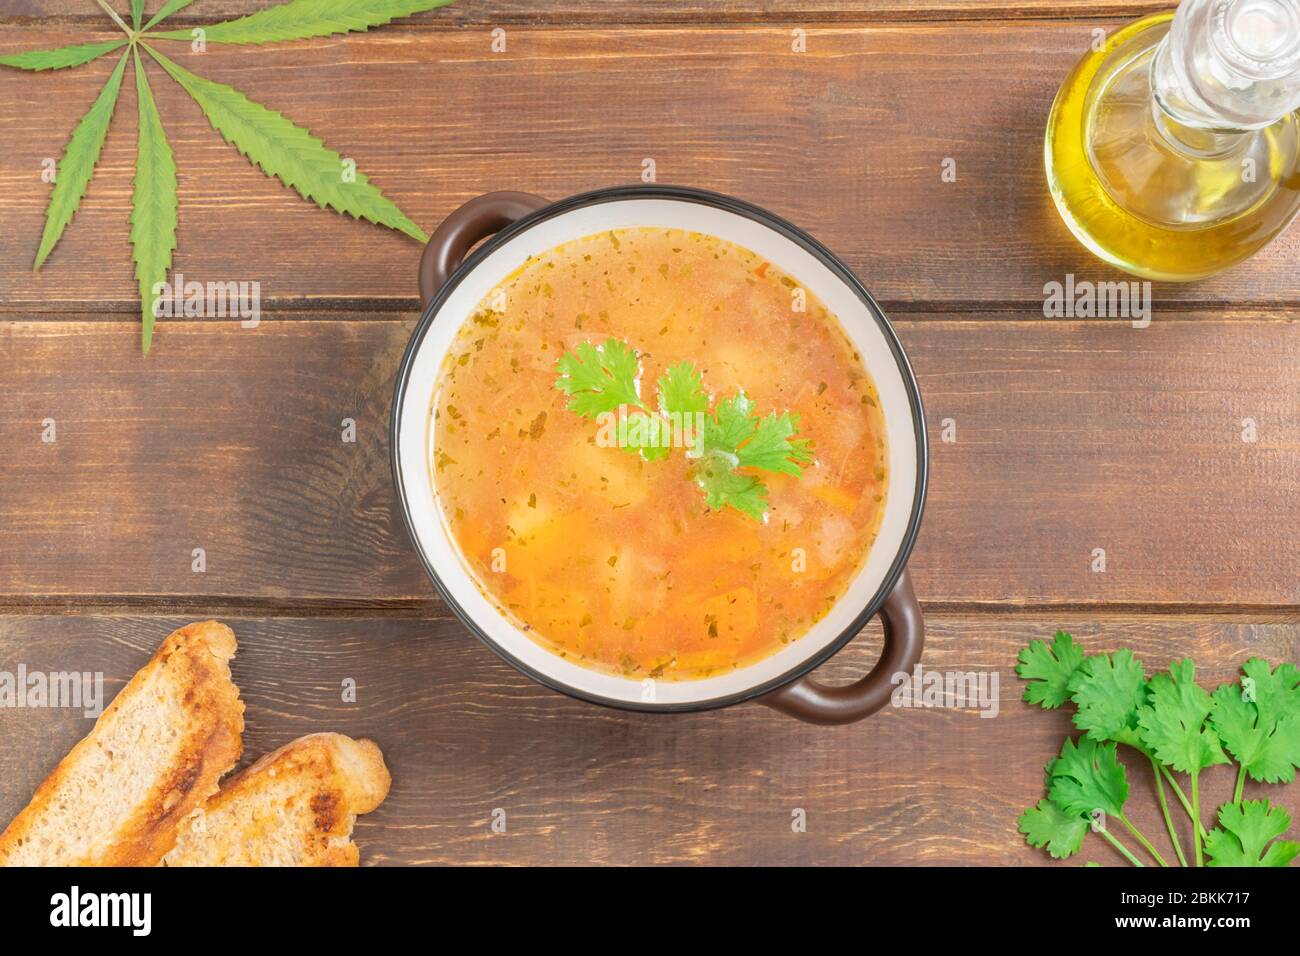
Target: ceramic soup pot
(516, 225)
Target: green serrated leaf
(638, 433)
(1244, 835)
(681, 390)
(723, 486)
(731, 424)
(288, 152)
(1172, 725)
(303, 19)
(740, 437)
(1276, 692)
(1108, 692)
(1088, 777)
(1049, 669)
(61, 58)
(682, 398)
(137, 11)
(773, 447)
(78, 163)
(599, 379)
(1259, 720)
(1047, 825)
(167, 9)
(735, 437)
(153, 203)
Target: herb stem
(1121, 847)
(116, 19)
(1182, 798)
(1143, 840)
(1241, 784)
(1164, 810)
(1196, 815)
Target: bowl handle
(472, 222)
(817, 703)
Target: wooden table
(1071, 435)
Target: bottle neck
(1226, 67)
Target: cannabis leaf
(167, 9)
(268, 139)
(1049, 669)
(78, 163)
(1242, 839)
(153, 203)
(288, 152)
(301, 19)
(62, 58)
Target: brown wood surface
(1070, 435)
(847, 140)
(464, 734)
(585, 12)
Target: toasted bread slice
(154, 755)
(294, 807)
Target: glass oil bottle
(1173, 150)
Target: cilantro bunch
(603, 380)
(1180, 729)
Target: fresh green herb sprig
(1259, 722)
(269, 140)
(604, 380)
(1179, 728)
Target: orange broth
(614, 562)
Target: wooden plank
(464, 734)
(586, 12)
(847, 140)
(1070, 436)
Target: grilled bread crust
(154, 755)
(294, 807)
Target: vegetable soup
(705, 547)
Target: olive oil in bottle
(1174, 150)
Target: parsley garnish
(604, 380)
(600, 378)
